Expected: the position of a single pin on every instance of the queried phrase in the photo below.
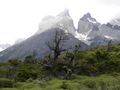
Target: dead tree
(58, 42)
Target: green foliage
(6, 83)
(91, 62)
(29, 80)
(64, 85)
(26, 71)
(30, 59)
(103, 82)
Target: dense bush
(5, 83)
(64, 85)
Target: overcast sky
(20, 18)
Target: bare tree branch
(57, 46)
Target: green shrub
(6, 83)
(74, 76)
(41, 83)
(64, 85)
(90, 84)
(29, 80)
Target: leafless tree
(57, 45)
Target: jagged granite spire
(88, 18)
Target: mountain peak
(88, 18)
(62, 20)
(87, 15)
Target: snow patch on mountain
(92, 21)
(80, 36)
(83, 37)
(109, 37)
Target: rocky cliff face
(62, 20)
(97, 33)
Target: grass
(103, 82)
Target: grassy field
(104, 82)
